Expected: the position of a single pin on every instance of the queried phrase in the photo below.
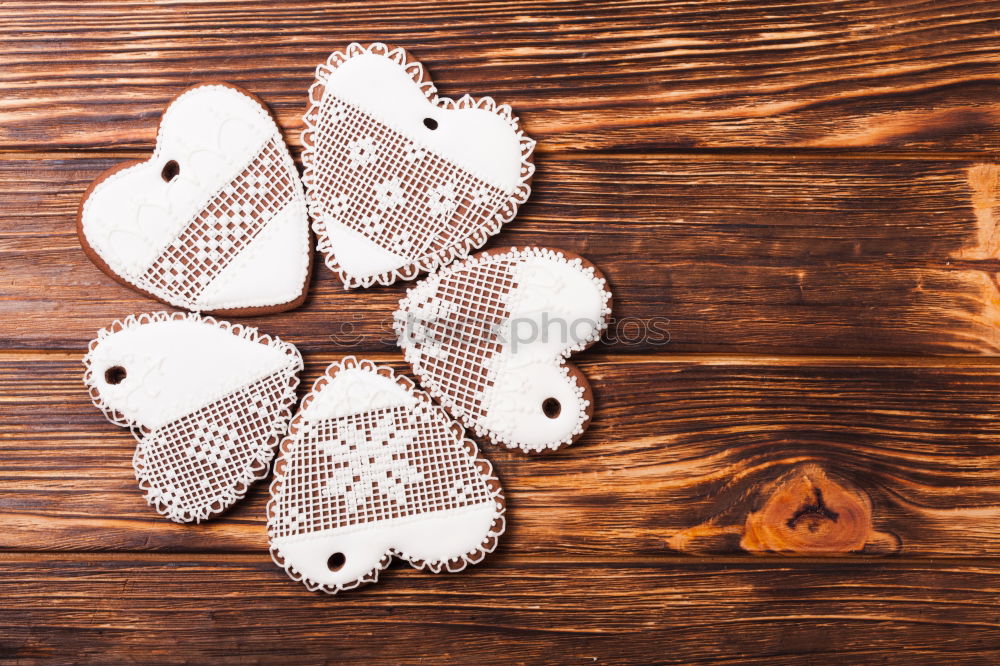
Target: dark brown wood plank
(748, 254)
(239, 609)
(620, 76)
(772, 178)
(689, 455)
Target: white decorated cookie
(400, 180)
(488, 337)
(207, 401)
(372, 468)
(215, 220)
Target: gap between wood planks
(717, 154)
(667, 559)
(937, 361)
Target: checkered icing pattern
(454, 336)
(233, 218)
(374, 466)
(202, 458)
(396, 193)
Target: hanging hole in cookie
(170, 171)
(551, 407)
(115, 374)
(336, 562)
(430, 123)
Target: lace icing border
(416, 71)
(482, 465)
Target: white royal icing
(355, 391)
(436, 537)
(489, 337)
(371, 469)
(175, 366)
(357, 255)
(207, 402)
(231, 158)
(260, 273)
(481, 141)
(399, 179)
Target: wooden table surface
(806, 195)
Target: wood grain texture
(237, 608)
(619, 76)
(750, 255)
(808, 193)
(683, 450)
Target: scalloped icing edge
(118, 171)
(569, 369)
(483, 465)
(444, 256)
(261, 464)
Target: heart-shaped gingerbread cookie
(488, 337)
(215, 221)
(372, 468)
(207, 401)
(400, 180)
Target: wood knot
(802, 512)
(808, 513)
